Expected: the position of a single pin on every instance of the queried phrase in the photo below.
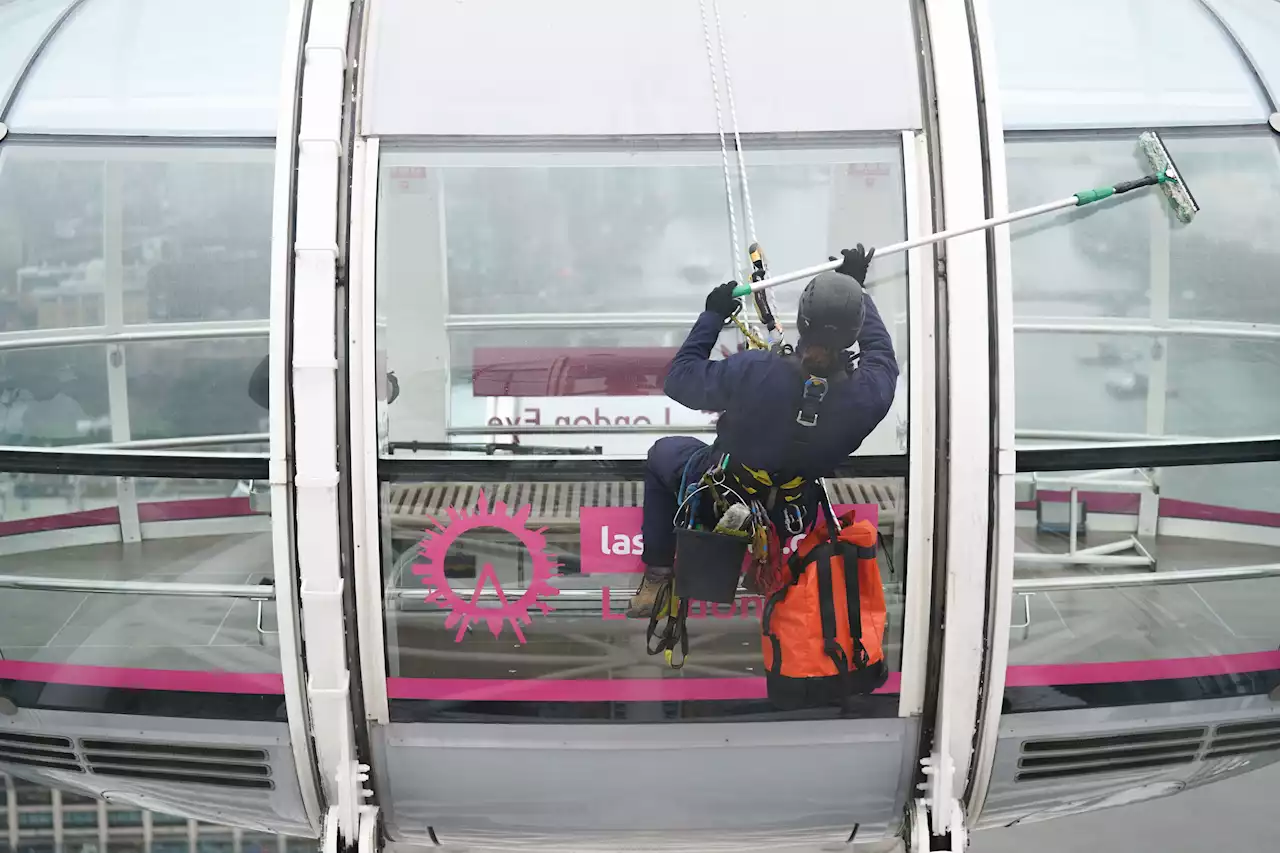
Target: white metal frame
(314, 383)
(1160, 328)
(969, 483)
(285, 574)
(1099, 555)
(365, 488)
(999, 597)
(128, 334)
(922, 412)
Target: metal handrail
(136, 334)
(1232, 573)
(1075, 325)
(1026, 585)
(114, 462)
(1089, 437)
(184, 441)
(642, 320)
(1172, 328)
(263, 592)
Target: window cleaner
(764, 398)
(788, 419)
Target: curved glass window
(579, 659)
(529, 301)
(1178, 519)
(159, 68)
(1142, 647)
(74, 529)
(596, 73)
(137, 580)
(539, 291)
(1169, 330)
(23, 24)
(113, 235)
(562, 283)
(158, 259)
(1256, 24)
(1120, 63)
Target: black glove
(855, 263)
(722, 302)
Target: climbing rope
(755, 269)
(733, 120)
(724, 148)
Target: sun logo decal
(463, 612)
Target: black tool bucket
(708, 565)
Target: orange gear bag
(822, 637)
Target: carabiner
(793, 518)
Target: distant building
(36, 819)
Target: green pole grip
(742, 290)
(1090, 196)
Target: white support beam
(967, 372)
(999, 598)
(367, 397)
(113, 318)
(921, 445)
(285, 573)
(1161, 252)
(315, 411)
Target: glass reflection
(109, 531)
(1085, 528)
(54, 396)
(480, 257)
(167, 235)
(1123, 261)
(583, 567)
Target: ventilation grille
(45, 751)
(1067, 757)
(226, 767)
(558, 503)
(1241, 738)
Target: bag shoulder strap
(827, 612)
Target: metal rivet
(1275, 124)
(7, 707)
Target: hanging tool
(1164, 175)
(675, 633)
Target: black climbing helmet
(831, 311)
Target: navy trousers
(663, 471)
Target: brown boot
(646, 595)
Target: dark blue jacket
(759, 395)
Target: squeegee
(1164, 174)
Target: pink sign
(611, 541)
